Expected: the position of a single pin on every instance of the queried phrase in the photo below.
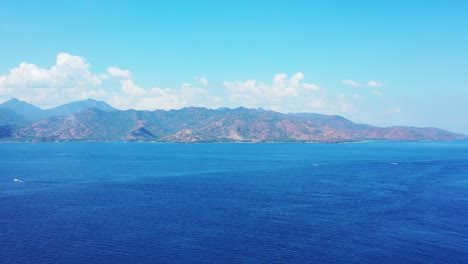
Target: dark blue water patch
(238, 203)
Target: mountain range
(92, 120)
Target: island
(92, 120)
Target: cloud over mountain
(283, 94)
(71, 78)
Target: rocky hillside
(204, 125)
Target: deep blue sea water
(373, 202)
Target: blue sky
(378, 62)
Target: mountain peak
(79, 106)
(15, 101)
(23, 108)
(91, 100)
(35, 113)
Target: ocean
(370, 202)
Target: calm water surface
(374, 202)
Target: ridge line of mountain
(92, 120)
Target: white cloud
(311, 87)
(68, 72)
(119, 73)
(351, 83)
(374, 84)
(296, 79)
(287, 95)
(134, 97)
(70, 79)
(201, 80)
(280, 78)
(377, 93)
(131, 89)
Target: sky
(377, 62)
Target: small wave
(393, 163)
(18, 180)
